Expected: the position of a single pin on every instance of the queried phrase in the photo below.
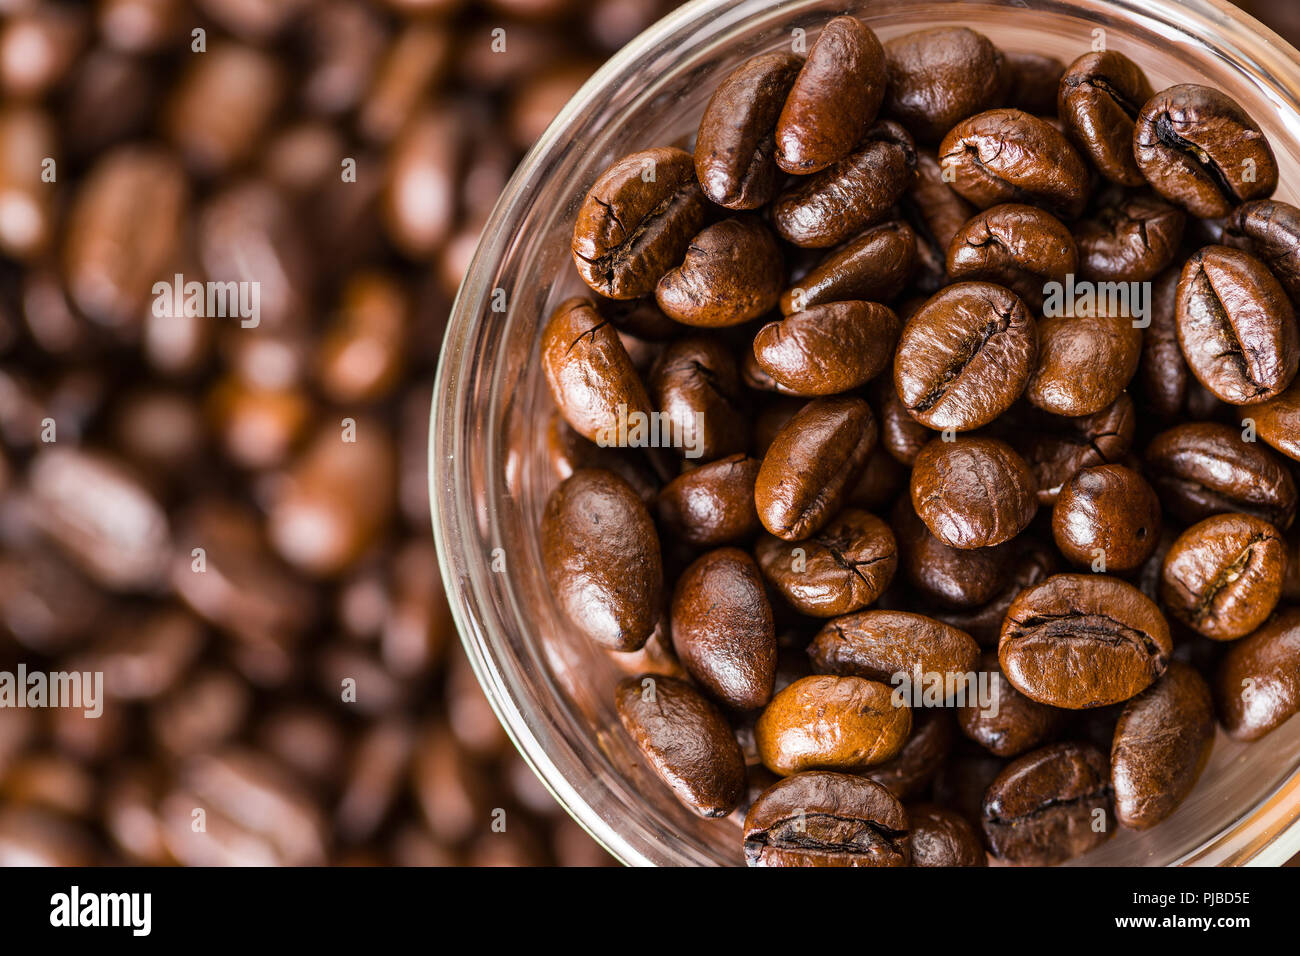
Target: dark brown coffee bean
(1162, 370)
(722, 628)
(1257, 686)
(1223, 576)
(696, 385)
(1006, 156)
(1162, 741)
(973, 492)
(909, 772)
(951, 577)
(812, 463)
(1100, 97)
(1203, 469)
(1236, 326)
(1049, 806)
(590, 375)
(1009, 723)
(685, 740)
(637, 221)
(1198, 148)
(943, 838)
(831, 723)
(1132, 240)
(843, 567)
(826, 819)
(1065, 445)
(735, 151)
(732, 273)
(713, 504)
(1019, 247)
(900, 434)
(874, 267)
(882, 645)
(1270, 230)
(1084, 363)
(1107, 517)
(1079, 640)
(965, 356)
(831, 206)
(940, 76)
(1032, 81)
(836, 95)
(829, 348)
(602, 559)
(1278, 421)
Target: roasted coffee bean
(811, 465)
(735, 151)
(940, 76)
(1006, 156)
(1203, 469)
(1278, 421)
(900, 434)
(1049, 806)
(1066, 445)
(1236, 326)
(713, 504)
(1107, 517)
(943, 838)
(1257, 685)
(829, 348)
(935, 211)
(843, 567)
(1162, 742)
(1198, 148)
(589, 372)
(1081, 640)
(965, 356)
(835, 96)
(1223, 576)
(637, 221)
(722, 628)
(831, 723)
(602, 559)
(831, 206)
(881, 645)
(732, 273)
(1162, 369)
(973, 492)
(1030, 564)
(910, 772)
(1270, 230)
(696, 386)
(951, 577)
(873, 267)
(826, 819)
(1019, 247)
(1084, 363)
(1008, 723)
(685, 740)
(1099, 100)
(1032, 81)
(1132, 240)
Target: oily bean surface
(1278, 421)
(712, 504)
(828, 349)
(1270, 231)
(1010, 723)
(872, 267)
(1257, 685)
(1108, 512)
(1063, 446)
(696, 385)
(842, 568)
(973, 492)
(1132, 240)
(910, 772)
(941, 837)
(940, 76)
(1100, 97)
(950, 577)
(880, 645)
(1016, 246)
(1084, 363)
(732, 273)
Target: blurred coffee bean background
(230, 521)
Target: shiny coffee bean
(872, 267)
(1099, 100)
(940, 76)
(713, 504)
(901, 435)
(1019, 247)
(696, 386)
(826, 819)
(1198, 148)
(637, 221)
(1008, 723)
(812, 464)
(831, 723)
(1162, 741)
(881, 645)
(835, 96)
(829, 348)
(951, 577)
(602, 559)
(1066, 445)
(1107, 517)
(1257, 685)
(1278, 421)
(941, 837)
(842, 568)
(973, 492)
(1236, 326)
(1162, 370)
(1270, 231)
(722, 628)
(685, 740)
(1084, 363)
(1083, 640)
(1223, 576)
(1049, 806)
(965, 356)
(732, 273)
(1133, 240)
(1003, 156)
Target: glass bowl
(489, 476)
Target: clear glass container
(489, 478)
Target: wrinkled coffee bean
(829, 348)
(1067, 445)
(732, 273)
(1270, 231)
(951, 577)
(943, 838)
(1133, 240)
(872, 267)
(842, 568)
(1084, 363)
(973, 492)
(1019, 247)
(1256, 687)
(881, 645)
(695, 385)
(1101, 95)
(940, 76)
(1278, 421)
(910, 772)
